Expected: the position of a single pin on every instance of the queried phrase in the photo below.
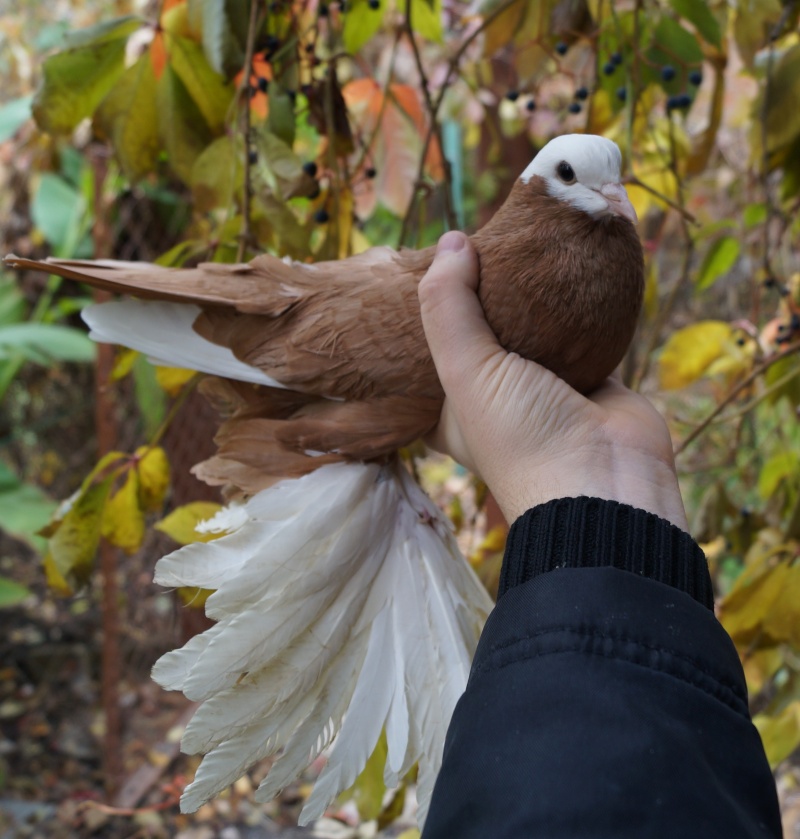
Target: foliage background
(192, 130)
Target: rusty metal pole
(107, 434)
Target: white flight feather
(344, 608)
(163, 332)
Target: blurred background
(184, 131)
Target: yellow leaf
(193, 597)
(780, 733)
(73, 545)
(493, 542)
(360, 241)
(778, 468)
(154, 474)
(123, 518)
(690, 351)
(369, 788)
(782, 622)
(760, 666)
(123, 363)
(172, 379)
(745, 608)
(55, 579)
(181, 522)
(413, 833)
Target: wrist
(611, 473)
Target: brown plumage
(559, 285)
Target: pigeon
(343, 606)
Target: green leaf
(150, 398)
(701, 17)
(361, 23)
(12, 303)
(13, 115)
(58, 210)
(129, 118)
(778, 468)
(218, 174)
(12, 593)
(104, 32)
(426, 19)
(45, 343)
(754, 214)
(672, 44)
(783, 113)
(209, 90)
(184, 132)
(76, 81)
(24, 508)
(280, 120)
(719, 260)
(279, 166)
(224, 24)
(752, 25)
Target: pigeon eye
(566, 173)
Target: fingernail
(451, 242)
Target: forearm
(603, 701)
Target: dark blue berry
(262, 84)
(672, 103)
(581, 93)
(371, 172)
(609, 68)
(323, 10)
(512, 95)
(684, 100)
(315, 191)
(252, 156)
(616, 58)
(561, 48)
(272, 43)
(530, 105)
(695, 77)
(574, 107)
(321, 216)
(667, 72)
(310, 168)
(374, 4)
(622, 94)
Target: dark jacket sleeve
(605, 700)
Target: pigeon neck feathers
(583, 171)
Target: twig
(452, 66)
(107, 432)
(177, 404)
(666, 309)
(244, 92)
(634, 181)
(745, 383)
(434, 121)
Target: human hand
(526, 432)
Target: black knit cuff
(592, 533)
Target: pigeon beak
(618, 201)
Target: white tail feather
(344, 607)
(163, 331)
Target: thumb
(460, 339)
